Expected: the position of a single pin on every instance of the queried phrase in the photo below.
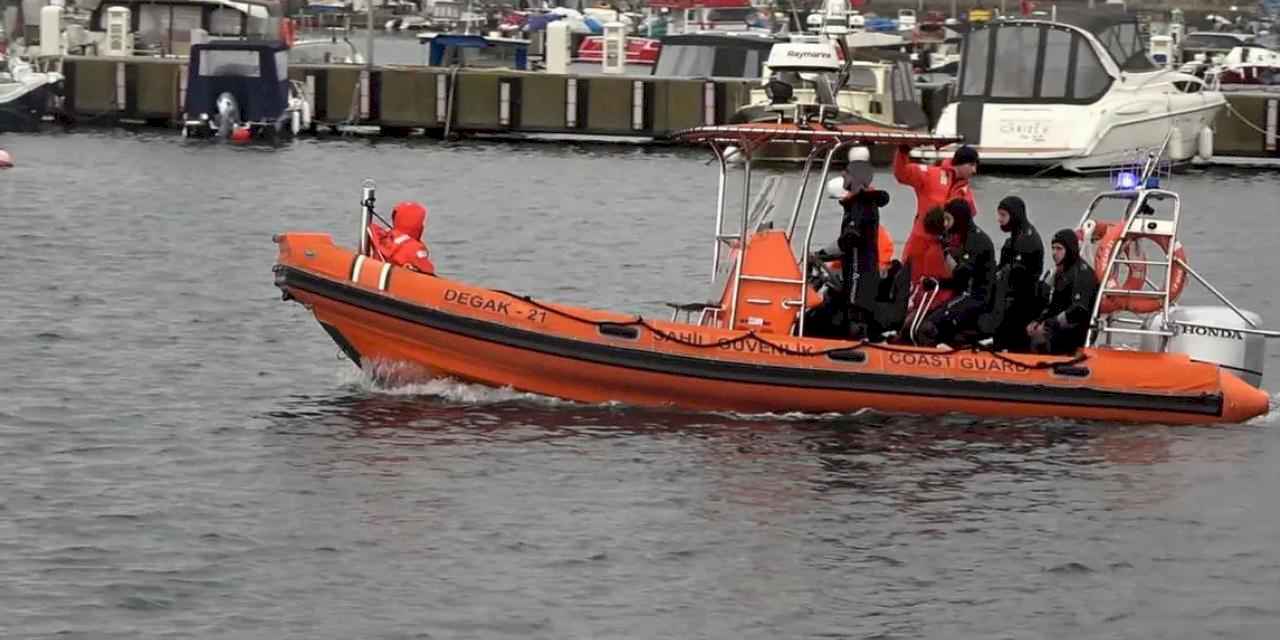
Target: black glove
(928, 284)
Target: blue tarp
(539, 22)
(880, 24)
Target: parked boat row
(1076, 93)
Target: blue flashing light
(1126, 181)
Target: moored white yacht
(1081, 96)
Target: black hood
(1017, 214)
(1067, 238)
(962, 213)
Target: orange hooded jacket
(401, 245)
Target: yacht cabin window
(862, 79)
(1091, 77)
(973, 74)
(225, 21)
(1017, 75)
(282, 65)
(1057, 64)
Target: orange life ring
(287, 33)
(1106, 236)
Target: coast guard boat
(747, 347)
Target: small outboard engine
(1213, 334)
(228, 113)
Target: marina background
(184, 455)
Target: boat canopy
(1038, 61)
(257, 73)
(448, 49)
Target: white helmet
(859, 154)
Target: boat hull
(27, 111)
(441, 328)
(1084, 139)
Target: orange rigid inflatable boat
(745, 352)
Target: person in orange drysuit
(928, 260)
(402, 244)
(935, 186)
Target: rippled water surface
(184, 455)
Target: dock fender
(1204, 143)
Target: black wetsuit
(971, 279)
(1075, 289)
(1015, 302)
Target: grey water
(183, 455)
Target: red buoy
(240, 134)
(6, 160)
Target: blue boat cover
(256, 73)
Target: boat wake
(1272, 415)
(398, 379)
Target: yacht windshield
(1126, 46)
(1210, 41)
(732, 14)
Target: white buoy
(6, 160)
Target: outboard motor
(228, 114)
(1214, 335)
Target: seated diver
(972, 259)
(1015, 297)
(850, 308)
(402, 245)
(1064, 326)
